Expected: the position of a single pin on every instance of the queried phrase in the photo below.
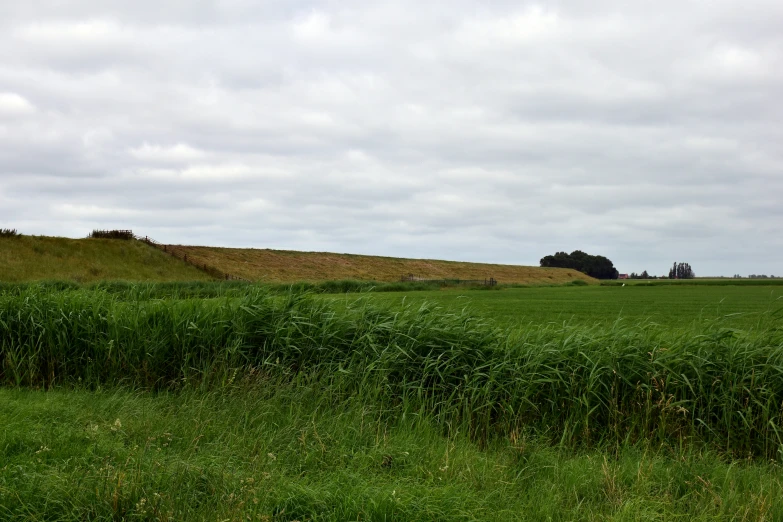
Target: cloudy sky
(494, 131)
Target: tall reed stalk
(574, 384)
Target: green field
(230, 402)
(675, 306)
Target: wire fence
(181, 253)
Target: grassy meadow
(177, 402)
(664, 305)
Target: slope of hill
(33, 258)
(283, 266)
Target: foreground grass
(575, 385)
(32, 258)
(264, 451)
(265, 406)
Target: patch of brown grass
(285, 266)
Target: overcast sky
(492, 131)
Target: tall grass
(210, 289)
(572, 384)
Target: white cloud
(534, 25)
(179, 153)
(13, 104)
(57, 32)
(314, 26)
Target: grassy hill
(33, 258)
(283, 266)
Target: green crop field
(675, 306)
(238, 402)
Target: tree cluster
(643, 275)
(594, 266)
(681, 271)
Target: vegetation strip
(571, 384)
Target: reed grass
(211, 289)
(574, 385)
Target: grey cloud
(487, 131)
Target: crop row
(575, 385)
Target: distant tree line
(755, 276)
(594, 266)
(8, 232)
(681, 271)
(677, 271)
(643, 275)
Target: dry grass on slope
(283, 266)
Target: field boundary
(486, 282)
(725, 281)
(182, 255)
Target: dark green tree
(681, 271)
(594, 266)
